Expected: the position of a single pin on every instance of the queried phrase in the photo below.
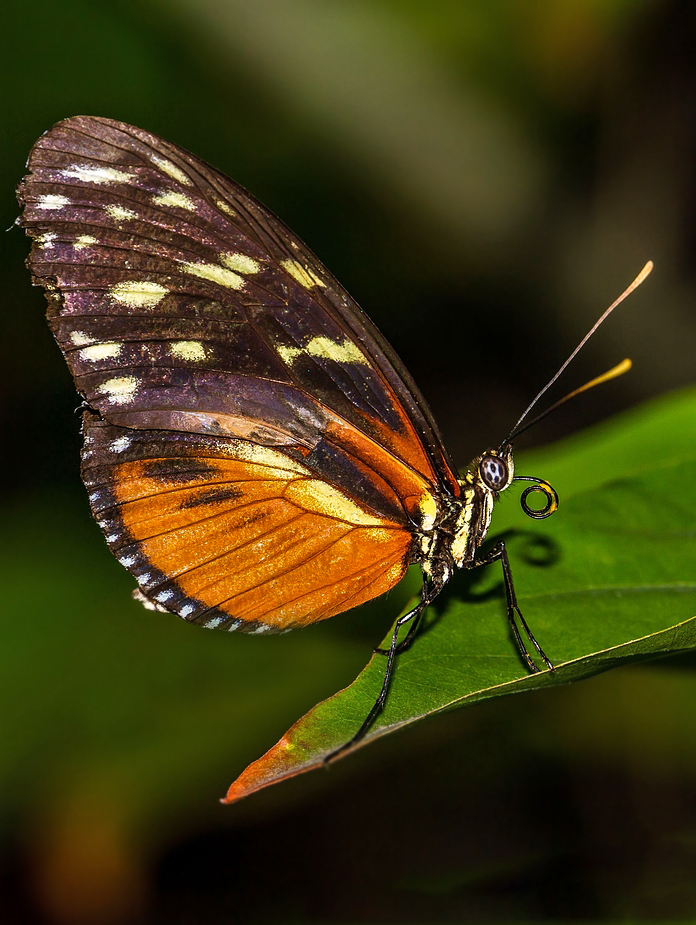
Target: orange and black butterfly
(255, 453)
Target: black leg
(513, 609)
(393, 650)
(410, 636)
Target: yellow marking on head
(85, 240)
(240, 263)
(138, 293)
(172, 170)
(177, 200)
(188, 350)
(316, 496)
(263, 456)
(119, 214)
(100, 351)
(326, 349)
(88, 173)
(52, 201)
(215, 273)
(121, 389)
(301, 274)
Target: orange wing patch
(240, 544)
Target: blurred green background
(484, 177)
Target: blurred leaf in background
(483, 177)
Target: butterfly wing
(232, 534)
(246, 418)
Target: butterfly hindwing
(230, 534)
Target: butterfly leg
(410, 636)
(393, 650)
(499, 553)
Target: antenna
(611, 374)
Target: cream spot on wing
(214, 623)
(347, 352)
(119, 213)
(215, 273)
(260, 629)
(318, 497)
(90, 174)
(240, 263)
(172, 170)
(138, 293)
(85, 240)
(263, 456)
(120, 444)
(127, 561)
(79, 338)
(301, 274)
(223, 207)
(289, 354)
(178, 200)
(46, 240)
(146, 602)
(326, 349)
(164, 596)
(121, 389)
(186, 610)
(52, 201)
(188, 350)
(100, 351)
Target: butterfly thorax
(465, 520)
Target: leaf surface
(606, 581)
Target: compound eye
(494, 472)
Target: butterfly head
(489, 475)
(496, 470)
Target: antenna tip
(644, 273)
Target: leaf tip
(281, 762)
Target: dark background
(484, 177)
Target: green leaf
(608, 580)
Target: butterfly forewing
(192, 319)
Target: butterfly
(255, 453)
